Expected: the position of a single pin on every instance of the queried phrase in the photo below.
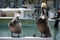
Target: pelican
(15, 26)
(42, 23)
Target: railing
(12, 11)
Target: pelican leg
(41, 35)
(45, 35)
(11, 34)
(18, 35)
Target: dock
(25, 38)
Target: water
(26, 31)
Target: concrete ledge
(25, 38)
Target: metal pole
(54, 3)
(38, 8)
(57, 5)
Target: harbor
(29, 20)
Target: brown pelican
(42, 23)
(15, 26)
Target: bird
(15, 26)
(42, 24)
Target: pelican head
(17, 18)
(43, 5)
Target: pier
(25, 38)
